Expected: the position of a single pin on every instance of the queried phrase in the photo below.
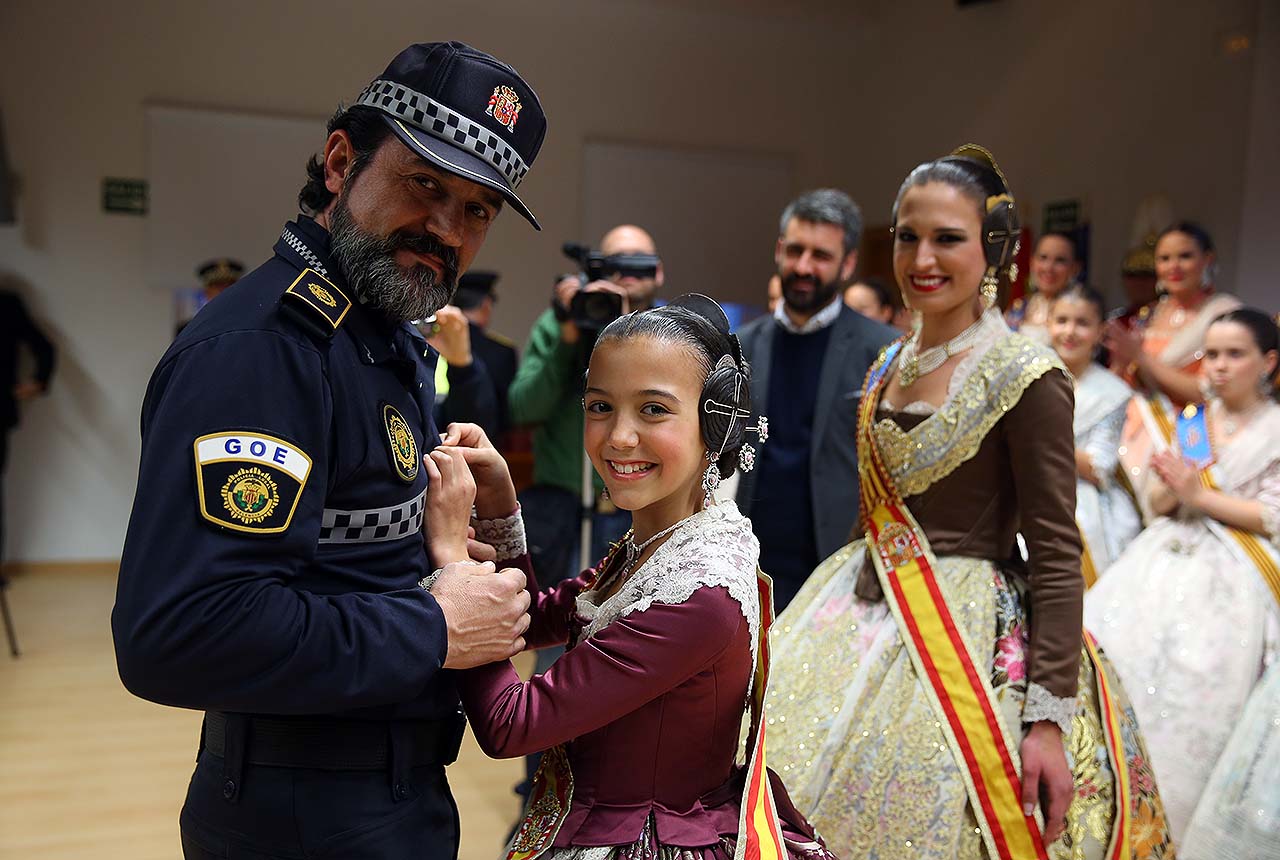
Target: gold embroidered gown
(851, 728)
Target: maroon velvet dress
(648, 701)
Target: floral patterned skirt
(854, 736)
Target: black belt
(328, 743)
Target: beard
(818, 297)
(368, 262)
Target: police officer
(275, 573)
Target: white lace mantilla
(712, 548)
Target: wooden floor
(88, 771)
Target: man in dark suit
(808, 360)
(17, 327)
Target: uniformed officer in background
(462, 336)
(275, 573)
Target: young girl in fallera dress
(641, 718)
(1104, 509)
(1189, 612)
(933, 697)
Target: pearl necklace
(914, 366)
(633, 550)
(1234, 423)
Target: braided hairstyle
(698, 323)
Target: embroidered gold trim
(937, 446)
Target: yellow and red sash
(1088, 569)
(958, 685)
(1190, 429)
(1121, 828)
(759, 830)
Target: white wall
(1076, 99)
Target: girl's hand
(1046, 779)
(1123, 342)
(450, 493)
(495, 493)
(1181, 477)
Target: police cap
(464, 111)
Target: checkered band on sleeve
(373, 525)
(450, 126)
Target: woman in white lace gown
(1105, 511)
(639, 721)
(1239, 813)
(1187, 618)
(976, 449)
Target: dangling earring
(710, 482)
(604, 494)
(990, 288)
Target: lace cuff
(1043, 705)
(506, 535)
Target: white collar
(817, 322)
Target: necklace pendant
(910, 372)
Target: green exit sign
(124, 195)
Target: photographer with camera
(546, 394)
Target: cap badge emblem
(504, 106)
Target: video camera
(591, 312)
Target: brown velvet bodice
(1022, 478)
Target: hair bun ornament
(983, 156)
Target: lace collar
(714, 547)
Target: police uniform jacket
(275, 544)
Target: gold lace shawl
(920, 457)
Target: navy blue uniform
(272, 562)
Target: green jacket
(547, 395)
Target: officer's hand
(451, 336)
(565, 290)
(450, 493)
(495, 493)
(486, 613)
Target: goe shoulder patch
(248, 481)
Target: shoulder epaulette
(316, 302)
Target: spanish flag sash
(759, 828)
(957, 684)
(1087, 568)
(1191, 429)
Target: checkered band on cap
(374, 524)
(447, 124)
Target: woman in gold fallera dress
(934, 697)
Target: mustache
(427, 244)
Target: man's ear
(659, 276)
(338, 157)
(848, 267)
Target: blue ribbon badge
(1193, 435)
